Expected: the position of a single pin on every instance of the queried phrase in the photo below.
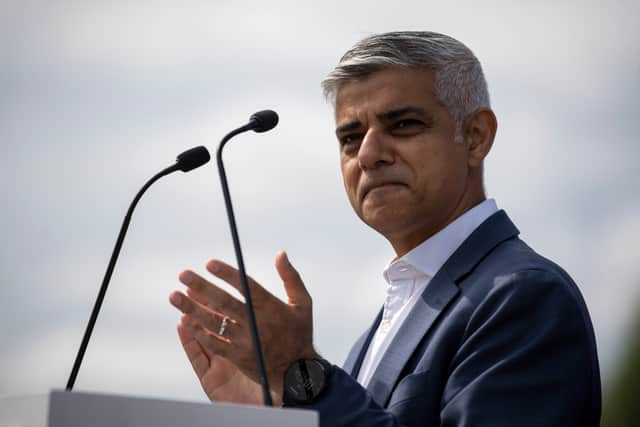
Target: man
(476, 330)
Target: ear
(480, 130)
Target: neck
(404, 243)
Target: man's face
(403, 173)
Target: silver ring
(223, 325)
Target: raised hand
(218, 323)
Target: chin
(384, 220)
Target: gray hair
(459, 81)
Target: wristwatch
(305, 380)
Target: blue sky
(98, 96)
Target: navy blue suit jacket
(500, 337)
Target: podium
(79, 409)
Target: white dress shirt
(407, 277)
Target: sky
(96, 97)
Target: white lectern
(80, 409)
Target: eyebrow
(388, 116)
(348, 126)
(399, 112)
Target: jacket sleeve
(345, 403)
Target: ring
(223, 325)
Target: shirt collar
(430, 255)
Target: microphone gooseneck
(189, 160)
(261, 121)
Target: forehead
(385, 90)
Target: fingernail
(186, 277)
(176, 299)
(214, 267)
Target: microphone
(187, 161)
(261, 121)
(192, 158)
(264, 120)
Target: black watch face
(304, 380)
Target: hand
(221, 380)
(286, 329)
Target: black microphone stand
(186, 161)
(243, 274)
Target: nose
(375, 150)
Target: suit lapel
(356, 355)
(435, 298)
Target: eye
(406, 127)
(349, 138)
(407, 124)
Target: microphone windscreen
(193, 158)
(264, 120)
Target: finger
(199, 314)
(198, 356)
(201, 300)
(232, 276)
(224, 329)
(212, 342)
(293, 285)
(218, 323)
(211, 295)
(227, 329)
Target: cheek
(350, 179)
(441, 175)
(349, 175)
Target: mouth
(382, 186)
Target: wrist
(305, 380)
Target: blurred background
(97, 96)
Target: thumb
(293, 285)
